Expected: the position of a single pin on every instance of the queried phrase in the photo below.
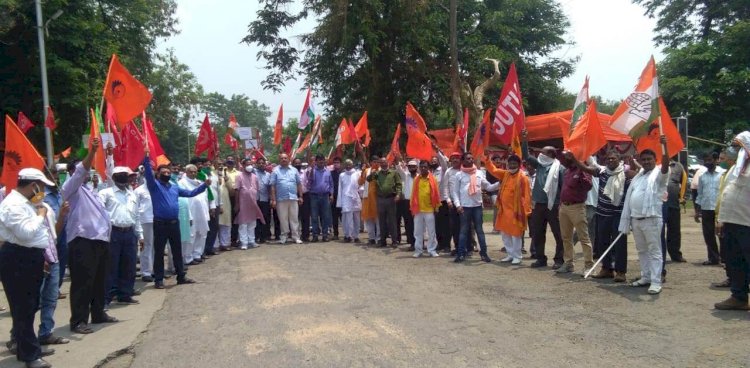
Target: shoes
(503, 250)
(61, 295)
(243, 246)
(314, 239)
(564, 268)
(205, 257)
(371, 242)
(253, 245)
(347, 240)
(335, 237)
(136, 292)
(297, 241)
(434, 254)
(147, 279)
(395, 245)
(38, 363)
(604, 274)
(640, 283)
(516, 261)
(459, 259)
(416, 255)
(523, 251)
(538, 264)
(128, 300)
(485, 258)
(732, 304)
(281, 241)
(105, 319)
(356, 240)
(557, 265)
(710, 263)
(185, 281)
(325, 239)
(159, 285)
(532, 256)
(654, 289)
(506, 259)
(723, 284)
(679, 260)
(620, 277)
(225, 249)
(193, 263)
(212, 253)
(53, 340)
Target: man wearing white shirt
(25, 234)
(120, 203)
(146, 234)
(466, 196)
(452, 230)
(199, 213)
(642, 213)
(403, 211)
(349, 201)
(705, 205)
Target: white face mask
(249, 168)
(513, 171)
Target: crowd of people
(100, 231)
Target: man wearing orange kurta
(513, 206)
(370, 202)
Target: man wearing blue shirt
(164, 199)
(263, 230)
(286, 196)
(321, 196)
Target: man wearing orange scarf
(425, 199)
(466, 194)
(514, 206)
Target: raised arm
(191, 193)
(665, 155)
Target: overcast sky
(612, 37)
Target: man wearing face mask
(231, 174)
(120, 203)
(705, 205)
(466, 195)
(389, 192)
(248, 212)
(286, 196)
(263, 228)
(25, 231)
(403, 210)
(199, 213)
(88, 230)
(164, 200)
(370, 200)
(321, 195)
(303, 215)
(727, 160)
(545, 194)
(349, 201)
(335, 210)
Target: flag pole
(602, 256)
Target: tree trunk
(455, 80)
(477, 107)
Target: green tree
(376, 55)
(249, 113)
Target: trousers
(288, 211)
(321, 214)
(373, 230)
(350, 221)
(646, 235)
(573, 217)
(424, 222)
(708, 225)
(512, 245)
(403, 212)
(88, 275)
(471, 217)
(387, 218)
(167, 230)
(147, 254)
(48, 302)
(738, 258)
(540, 217)
(247, 233)
(263, 231)
(606, 232)
(122, 264)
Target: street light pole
(45, 89)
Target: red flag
(459, 140)
(509, 109)
(481, 139)
(279, 128)
(231, 142)
(205, 138)
(99, 163)
(19, 154)
(287, 146)
(49, 122)
(414, 120)
(345, 134)
(587, 137)
(131, 147)
(363, 130)
(24, 123)
(395, 150)
(128, 96)
(651, 139)
(156, 153)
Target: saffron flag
(66, 152)
(128, 96)
(304, 145)
(515, 142)
(279, 128)
(651, 139)
(49, 122)
(352, 131)
(308, 114)
(509, 109)
(99, 163)
(205, 138)
(156, 152)
(395, 150)
(587, 137)
(481, 139)
(418, 145)
(414, 120)
(581, 104)
(459, 139)
(363, 130)
(342, 135)
(19, 154)
(640, 109)
(24, 123)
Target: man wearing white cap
(25, 231)
(121, 204)
(403, 210)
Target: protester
(210, 248)
(438, 166)
(349, 201)
(199, 216)
(466, 196)
(231, 174)
(546, 197)
(286, 196)
(335, 210)
(54, 199)
(734, 225)
(705, 205)
(246, 205)
(121, 205)
(304, 206)
(453, 230)
(389, 190)
(424, 201)
(497, 161)
(642, 212)
(146, 234)
(321, 195)
(513, 204)
(263, 228)
(576, 184)
(370, 201)
(227, 211)
(88, 230)
(26, 231)
(403, 207)
(727, 160)
(671, 235)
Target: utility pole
(40, 28)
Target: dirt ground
(340, 305)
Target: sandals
(53, 340)
(640, 283)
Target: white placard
(245, 133)
(107, 138)
(85, 140)
(251, 144)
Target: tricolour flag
(19, 154)
(509, 109)
(128, 96)
(579, 107)
(279, 127)
(308, 114)
(640, 109)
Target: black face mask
(298, 167)
(120, 179)
(434, 166)
(414, 171)
(165, 178)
